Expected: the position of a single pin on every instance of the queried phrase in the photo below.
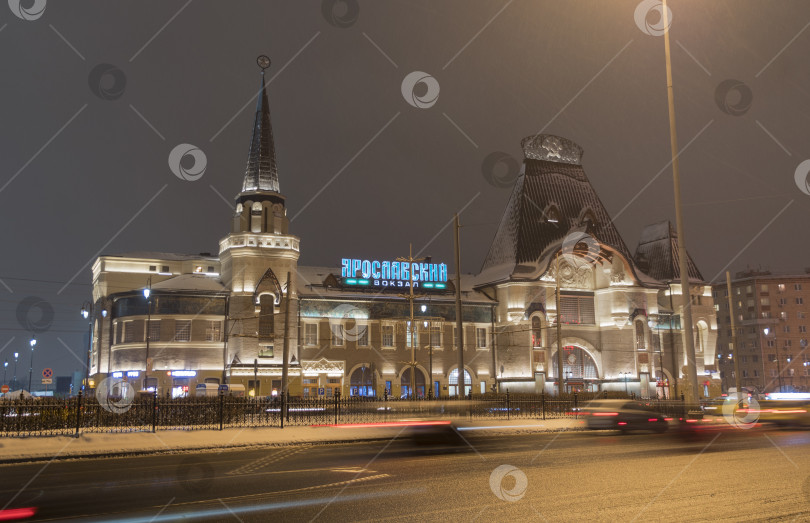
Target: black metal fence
(72, 416)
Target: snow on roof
(168, 256)
(191, 282)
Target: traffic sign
(47, 381)
(4, 389)
(47, 373)
(321, 391)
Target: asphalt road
(724, 476)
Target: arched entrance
(406, 383)
(362, 382)
(579, 368)
(453, 382)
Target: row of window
(359, 333)
(763, 289)
(134, 331)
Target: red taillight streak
(653, 419)
(622, 423)
(605, 413)
(387, 424)
(17, 513)
(668, 419)
(691, 420)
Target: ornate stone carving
(617, 271)
(552, 149)
(580, 277)
(322, 366)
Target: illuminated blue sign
(375, 273)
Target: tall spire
(261, 173)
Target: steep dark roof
(552, 181)
(657, 253)
(261, 172)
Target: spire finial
(261, 172)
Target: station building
(225, 318)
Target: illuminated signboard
(374, 273)
(184, 373)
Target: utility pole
(411, 297)
(686, 296)
(286, 350)
(560, 375)
(734, 354)
(147, 292)
(459, 319)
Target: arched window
(552, 214)
(406, 383)
(701, 336)
(362, 382)
(453, 382)
(588, 219)
(577, 364)
(640, 338)
(537, 333)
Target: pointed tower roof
(657, 253)
(551, 198)
(261, 173)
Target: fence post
(78, 413)
(576, 410)
(507, 405)
(543, 403)
(281, 411)
(221, 403)
(337, 406)
(154, 410)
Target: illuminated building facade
(223, 319)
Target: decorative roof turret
(261, 173)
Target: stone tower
(258, 253)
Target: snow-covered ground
(111, 444)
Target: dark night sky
(579, 69)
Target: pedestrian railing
(148, 413)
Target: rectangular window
(435, 336)
(772, 357)
(411, 333)
(362, 335)
(154, 330)
(766, 314)
(310, 334)
(801, 315)
(764, 288)
(745, 373)
(799, 301)
(153, 268)
(782, 301)
(337, 335)
(773, 373)
(781, 287)
(797, 287)
(765, 301)
(783, 315)
(213, 330)
(481, 338)
(182, 330)
(802, 328)
(129, 332)
(164, 268)
(756, 373)
(771, 343)
(786, 328)
(755, 359)
(577, 310)
(388, 335)
(743, 359)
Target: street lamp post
(767, 331)
(147, 293)
(33, 343)
(16, 357)
(626, 377)
(87, 314)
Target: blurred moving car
(623, 415)
(785, 409)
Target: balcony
(265, 241)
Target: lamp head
(33, 342)
(146, 292)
